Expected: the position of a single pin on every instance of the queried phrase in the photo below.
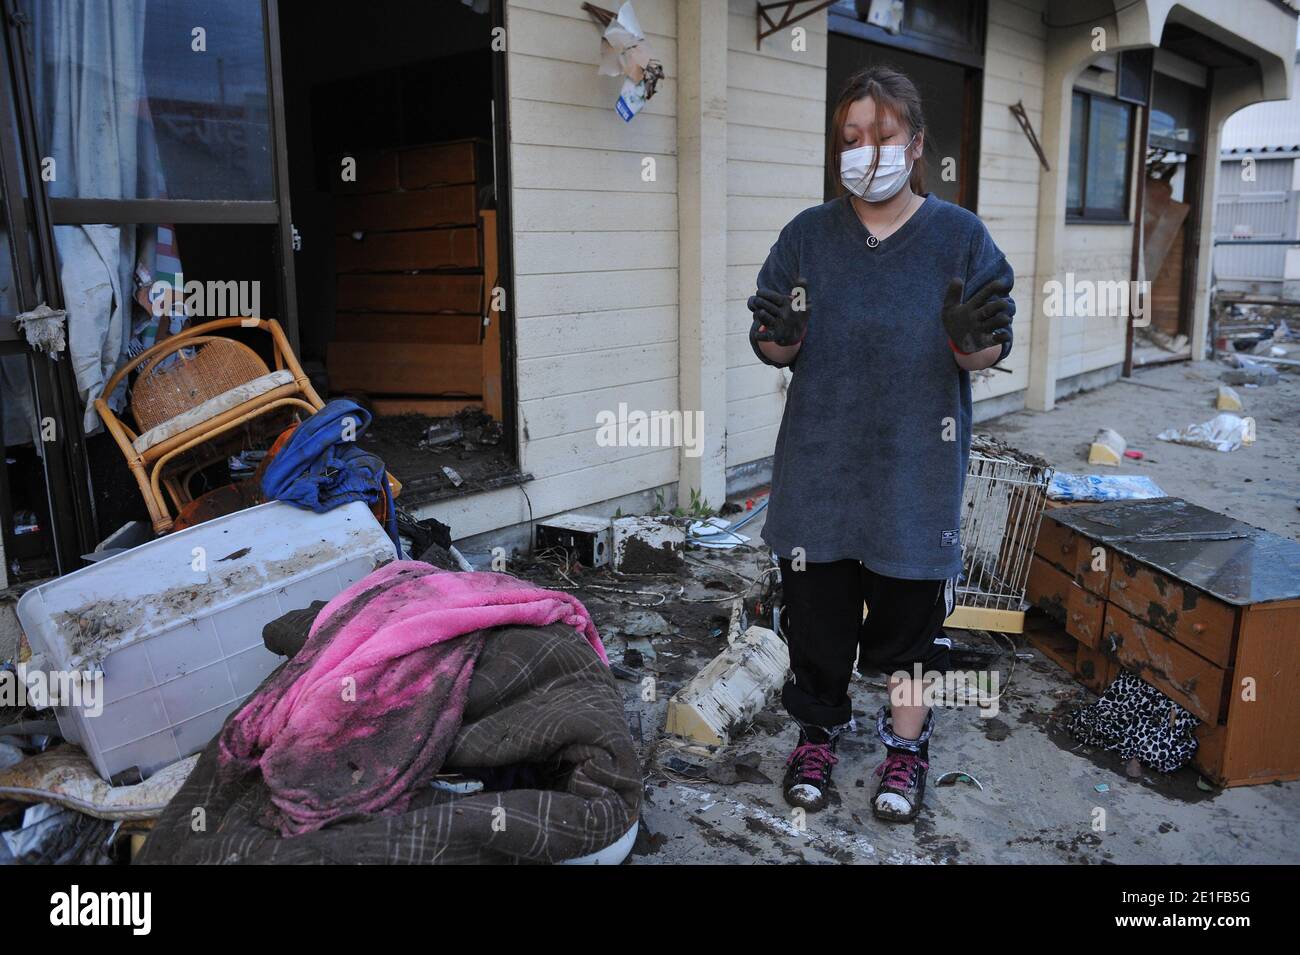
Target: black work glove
(981, 322)
(776, 319)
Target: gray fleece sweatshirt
(873, 446)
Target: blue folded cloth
(322, 466)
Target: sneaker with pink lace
(902, 787)
(808, 774)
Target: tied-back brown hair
(891, 90)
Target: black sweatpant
(826, 633)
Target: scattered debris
(1174, 344)
(1107, 448)
(644, 623)
(647, 545)
(1250, 373)
(45, 328)
(1224, 432)
(731, 770)
(684, 768)
(155, 602)
(1102, 487)
(65, 776)
(731, 690)
(442, 431)
(954, 777)
(639, 650)
(1228, 400)
(52, 835)
(582, 538)
(453, 475)
(625, 52)
(715, 533)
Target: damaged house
(506, 247)
(461, 223)
(443, 208)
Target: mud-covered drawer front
(1183, 676)
(1087, 562)
(1082, 613)
(1197, 621)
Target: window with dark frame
(209, 148)
(1101, 150)
(948, 29)
(189, 126)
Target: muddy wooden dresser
(1201, 606)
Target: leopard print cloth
(1133, 718)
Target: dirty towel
(323, 466)
(1133, 718)
(538, 697)
(368, 708)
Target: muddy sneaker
(808, 776)
(902, 786)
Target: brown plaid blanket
(543, 724)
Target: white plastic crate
(181, 648)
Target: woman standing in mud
(881, 302)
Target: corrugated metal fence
(1263, 209)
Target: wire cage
(1002, 507)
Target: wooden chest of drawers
(1202, 607)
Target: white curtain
(93, 110)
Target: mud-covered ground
(1045, 798)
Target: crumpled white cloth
(1224, 432)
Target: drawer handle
(1198, 628)
(1076, 616)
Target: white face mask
(891, 175)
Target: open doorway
(391, 124)
(1170, 213)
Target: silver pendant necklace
(872, 241)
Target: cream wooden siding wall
(776, 128)
(595, 257)
(1097, 253)
(1015, 46)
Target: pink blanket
(369, 707)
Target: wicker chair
(189, 410)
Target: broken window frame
(72, 530)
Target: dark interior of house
(395, 252)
